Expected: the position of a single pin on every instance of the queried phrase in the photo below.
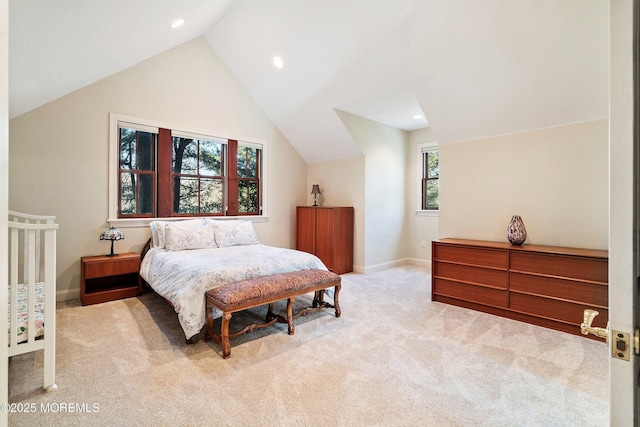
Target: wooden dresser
(327, 232)
(548, 286)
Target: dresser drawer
(563, 311)
(592, 294)
(111, 268)
(496, 258)
(472, 293)
(466, 273)
(593, 269)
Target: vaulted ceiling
(472, 68)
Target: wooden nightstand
(107, 278)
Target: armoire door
(325, 237)
(306, 229)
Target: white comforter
(183, 277)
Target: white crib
(32, 289)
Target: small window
(198, 176)
(137, 172)
(430, 174)
(248, 180)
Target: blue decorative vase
(516, 232)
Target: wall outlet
(423, 244)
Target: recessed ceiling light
(418, 116)
(277, 61)
(177, 23)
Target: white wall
(421, 228)
(384, 148)
(556, 179)
(342, 184)
(58, 152)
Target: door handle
(586, 328)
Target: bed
(187, 258)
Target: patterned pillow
(158, 235)
(179, 238)
(234, 233)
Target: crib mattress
(23, 311)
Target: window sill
(432, 213)
(144, 222)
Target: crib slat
(50, 314)
(37, 277)
(25, 252)
(13, 288)
(31, 280)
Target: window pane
(137, 193)
(136, 149)
(433, 169)
(247, 162)
(242, 164)
(145, 194)
(432, 193)
(145, 151)
(247, 196)
(186, 195)
(211, 196)
(127, 148)
(128, 198)
(185, 155)
(210, 158)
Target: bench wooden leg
(336, 304)
(318, 298)
(208, 332)
(224, 335)
(270, 314)
(290, 315)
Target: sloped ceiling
(472, 68)
(58, 46)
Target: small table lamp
(112, 234)
(315, 190)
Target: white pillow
(179, 238)
(234, 233)
(158, 228)
(157, 233)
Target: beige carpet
(394, 358)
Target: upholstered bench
(267, 290)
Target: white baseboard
(358, 269)
(67, 295)
(426, 263)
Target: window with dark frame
(168, 173)
(198, 176)
(137, 173)
(248, 173)
(430, 178)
